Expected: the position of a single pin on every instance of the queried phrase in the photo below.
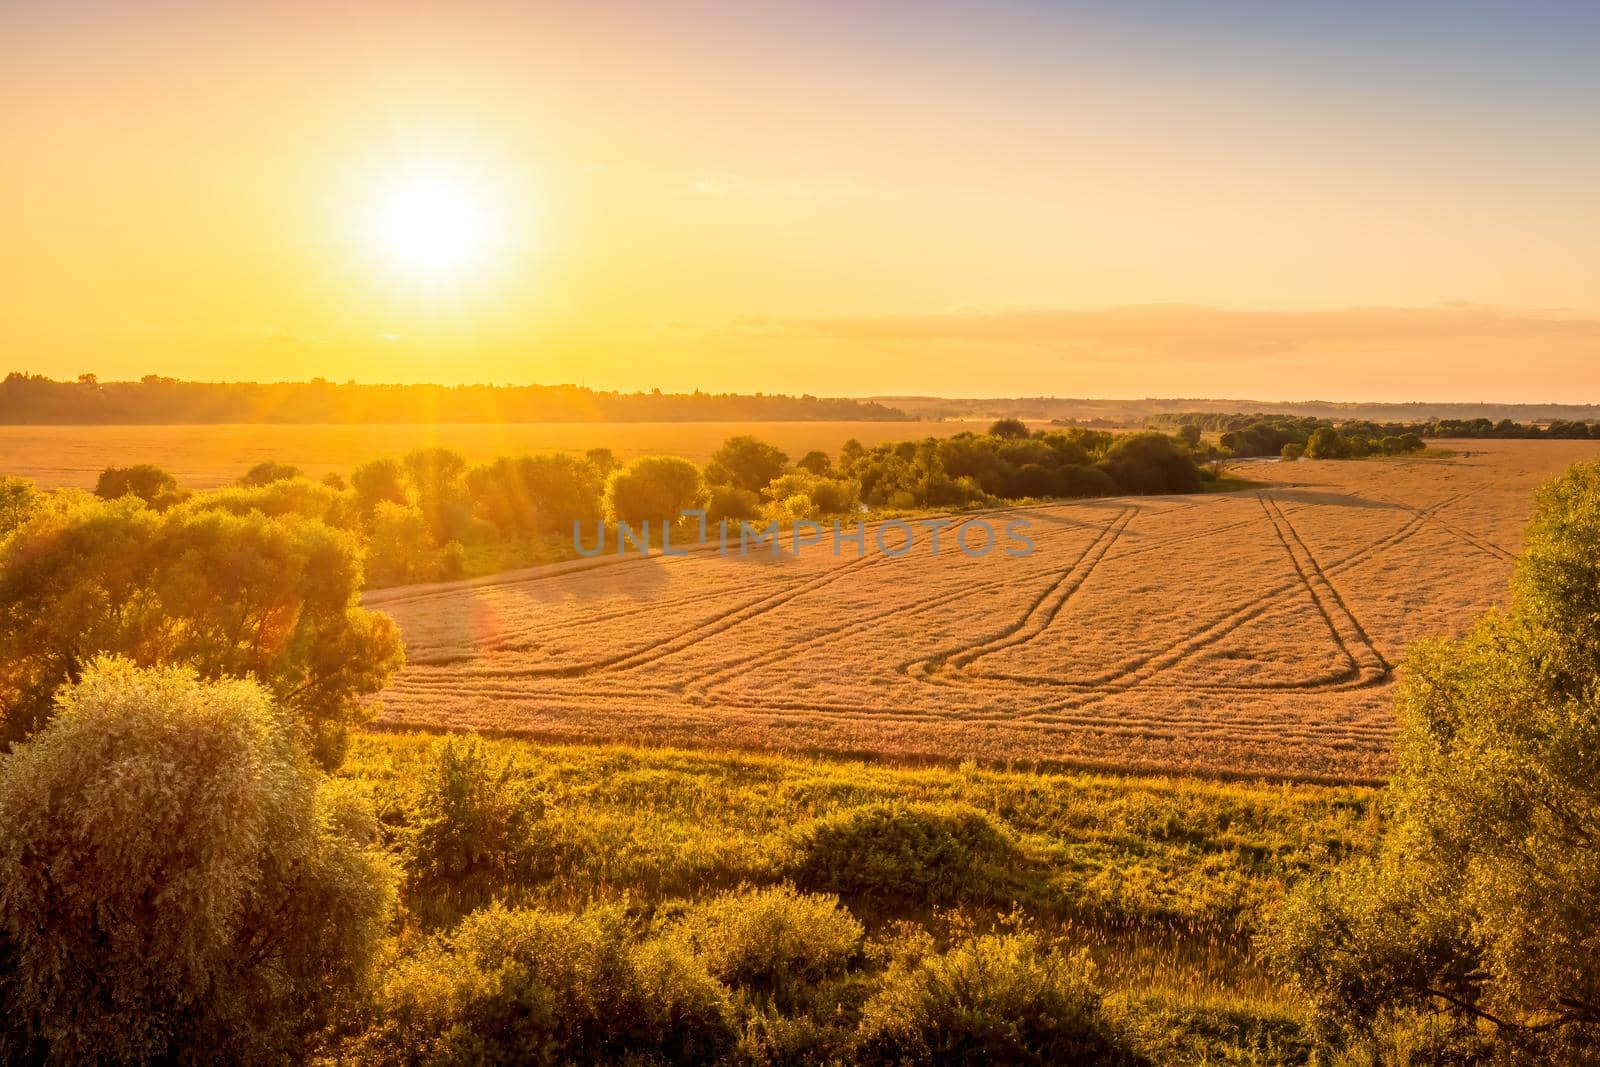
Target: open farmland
(1254, 632)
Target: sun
(433, 227)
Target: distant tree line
(35, 399)
(1266, 435)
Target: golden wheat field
(203, 457)
(1256, 632)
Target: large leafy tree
(230, 593)
(1484, 899)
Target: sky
(1281, 201)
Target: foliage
(268, 471)
(379, 481)
(1150, 463)
(1009, 428)
(437, 483)
(653, 489)
(288, 496)
(149, 483)
(727, 502)
(771, 940)
(83, 577)
(909, 852)
(534, 986)
(18, 499)
(399, 546)
(803, 495)
(175, 883)
(1480, 898)
(539, 495)
(1163, 1028)
(997, 998)
(745, 462)
(816, 462)
(467, 837)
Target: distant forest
(34, 399)
(1129, 413)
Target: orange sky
(1138, 199)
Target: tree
(1008, 428)
(724, 502)
(229, 594)
(18, 498)
(175, 882)
(437, 483)
(801, 495)
(400, 549)
(1189, 434)
(745, 463)
(268, 471)
(1151, 462)
(816, 462)
(653, 489)
(1325, 443)
(151, 484)
(537, 495)
(379, 480)
(1480, 898)
(1293, 451)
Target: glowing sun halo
(432, 227)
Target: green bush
(175, 882)
(997, 998)
(532, 986)
(771, 940)
(468, 835)
(1293, 450)
(918, 854)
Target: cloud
(1178, 330)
